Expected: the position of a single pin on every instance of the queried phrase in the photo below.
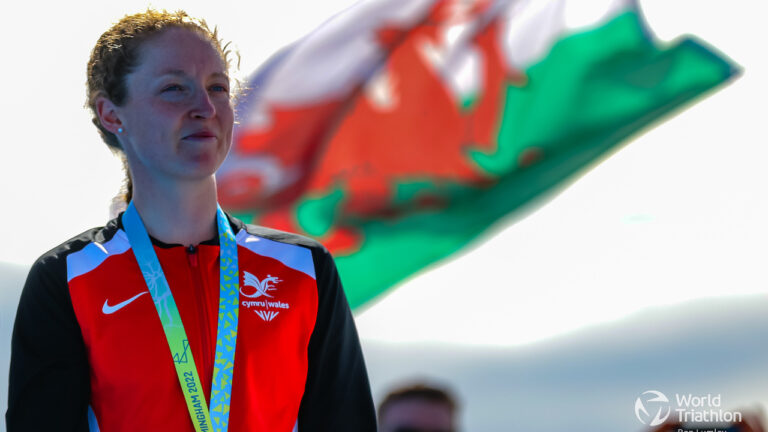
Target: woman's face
(178, 117)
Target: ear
(107, 112)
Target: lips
(201, 134)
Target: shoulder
(285, 246)
(276, 235)
(46, 295)
(54, 262)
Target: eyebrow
(179, 72)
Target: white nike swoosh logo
(107, 309)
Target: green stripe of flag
(592, 91)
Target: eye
(219, 88)
(173, 88)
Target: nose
(202, 106)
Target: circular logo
(652, 401)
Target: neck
(180, 213)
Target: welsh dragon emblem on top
(263, 287)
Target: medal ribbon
(226, 338)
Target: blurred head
(158, 90)
(418, 408)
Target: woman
(175, 316)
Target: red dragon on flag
(400, 130)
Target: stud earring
(119, 130)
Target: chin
(205, 163)
(196, 170)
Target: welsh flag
(400, 130)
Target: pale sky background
(615, 286)
(677, 214)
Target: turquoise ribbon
(226, 338)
